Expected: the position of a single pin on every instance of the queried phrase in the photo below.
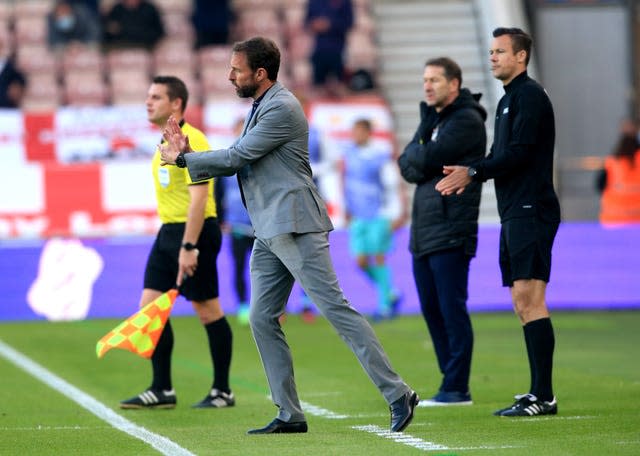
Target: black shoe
(151, 399)
(281, 427)
(529, 405)
(402, 411)
(217, 399)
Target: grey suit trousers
(278, 262)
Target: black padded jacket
(454, 136)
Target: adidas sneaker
(217, 399)
(151, 399)
(529, 405)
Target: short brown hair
(451, 68)
(261, 53)
(176, 88)
(520, 40)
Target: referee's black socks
(161, 360)
(540, 341)
(220, 344)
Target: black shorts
(525, 249)
(162, 265)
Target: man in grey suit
(292, 231)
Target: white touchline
(321, 412)
(160, 443)
(400, 437)
(397, 437)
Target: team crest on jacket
(434, 133)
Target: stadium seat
(300, 44)
(35, 58)
(263, 22)
(294, 17)
(301, 74)
(361, 52)
(177, 25)
(174, 55)
(79, 57)
(31, 8)
(137, 59)
(128, 86)
(258, 5)
(174, 6)
(193, 86)
(215, 78)
(30, 30)
(6, 12)
(85, 87)
(216, 55)
(43, 92)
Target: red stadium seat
(129, 86)
(36, 58)
(85, 87)
(129, 59)
(79, 57)
(43, 92)
(30, 30)
(32, 8)
(174, 55)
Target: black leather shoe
(280, 427)
(402, 411)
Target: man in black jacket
(521, 164)
(12, 81)
(444, 229)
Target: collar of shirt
(515, 82)
(257, 101)
(254, 106)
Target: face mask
(65, 23)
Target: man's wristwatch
(471, 172)
(188, 246)
(180, 160)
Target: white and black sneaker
(217, 399)
(529, 405)
(151, 399)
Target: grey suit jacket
(272, 160)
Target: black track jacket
(521, 158)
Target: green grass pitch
(596, 379)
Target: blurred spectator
(92, 5)
(211, 21)
(70, 22)
(12, 82)
(329, 21)
(370, 229)
(626, 147)
(133, 23)
(619, 180)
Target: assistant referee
(186, 246)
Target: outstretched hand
(176, 142)
(457, 178)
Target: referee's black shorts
(525, 249)
(162, 265)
